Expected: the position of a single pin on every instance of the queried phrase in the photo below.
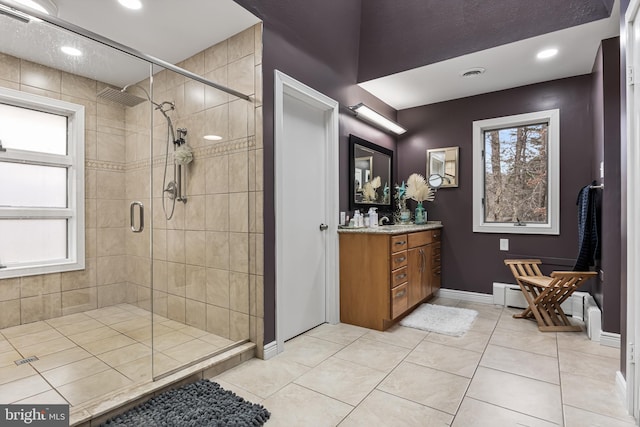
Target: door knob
(323, 227)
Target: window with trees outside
(516, 174)
(42, 176)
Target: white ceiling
(173, 30)
(170, 30)
(507, 66)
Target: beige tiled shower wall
(205, 272)
(102, 283)
(208, 269)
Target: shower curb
(97, 411)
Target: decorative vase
(421, 214)
(405, 216)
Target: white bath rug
(440, 319)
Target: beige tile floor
(503, 372)
(88, 355)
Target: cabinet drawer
(398, 276)
(423, 238)
(398, 243)
(399, 300)
(398, 260)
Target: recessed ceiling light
(43, 6)
(212, 137)
(131, 4)
(72, 51)
(547, 53)
(473, 72)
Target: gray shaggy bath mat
(203, 403)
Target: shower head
(120, 96)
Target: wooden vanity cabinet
(384, 276)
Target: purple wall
(472, 261)
(400, 35)
(317, 44)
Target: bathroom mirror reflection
(371, 174)
(444, 162)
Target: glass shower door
(201, 221)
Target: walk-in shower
(179, 294)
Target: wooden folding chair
(545, 294)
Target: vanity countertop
(392, 229)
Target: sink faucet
(382, 220)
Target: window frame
(552, 226)
(73, 161)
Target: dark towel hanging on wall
(588, 229)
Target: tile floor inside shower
(84, 356)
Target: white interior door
(306, 209)
(303, 250)
(633, 208)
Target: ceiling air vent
(473, 72)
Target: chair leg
(531, 295)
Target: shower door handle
(132, 209)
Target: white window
(41, 185)
(516, 174)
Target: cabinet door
(434, 267)
(419, 277)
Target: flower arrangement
(401, 204)
(370, 190)
(418, 189)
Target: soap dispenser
(373, 217)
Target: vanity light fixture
(131, 4)
(367, 114)
(212, 137)
(71, 51)
(547, 53)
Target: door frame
(632, 19)
(285, 85)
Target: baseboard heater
(580, 305)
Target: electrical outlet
(504, 244)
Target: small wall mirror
(444, 162)
(370, 175)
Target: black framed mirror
(370, 175)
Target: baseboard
(610, 339)
(466, 296)
(621, 386)
(270, 350)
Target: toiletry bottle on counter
(373, 217)
(357, 218)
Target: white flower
(369, 192)
(418, 189)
